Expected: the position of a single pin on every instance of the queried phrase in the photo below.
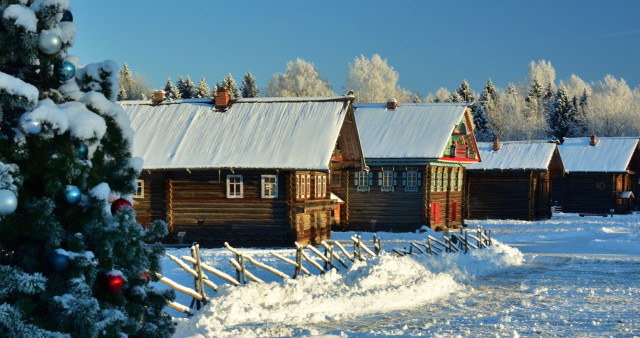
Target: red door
(435, 212)
(454, 210)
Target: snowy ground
(567, 276)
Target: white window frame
(321, 185)
(308, 186)
(303, 186)
(239, 186)
(363, 180)
(412, 181)
(387, 181)
(139, 193)
(269, 185)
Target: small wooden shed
(416, 154)
(602, 175)
(251, 172)
(513, 181)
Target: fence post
(298, 260)
(466, 241)
(429, 246)
(195, 280)
(244, 275)
(479, 238)
(200, 276)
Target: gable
(278, 133)
(412, 130)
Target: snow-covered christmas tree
(73, 259)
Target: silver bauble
(8, 202)
(49, 42)
(31, 126)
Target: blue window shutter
(355, 181)
(379, 177)
(419, 179)
(395, 178)
(371, 178)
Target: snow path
(568, 276)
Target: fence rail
(460, 241)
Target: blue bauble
(83, 151)
(8, 202)
(72, 193)
(57, 262)
(67, 16)
(65, 71)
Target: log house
(251, 172)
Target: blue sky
(431, 44)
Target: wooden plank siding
(401, 210)
(152, 205)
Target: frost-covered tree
(171, 91)
(301, 78)
(486, 105)
(181, 86)
(203, 91)
(132, 86)
(464, 92)
(542, 72)
(482, 132)
(187, 88)
(249, 87)
(373, 80)
(229, 84)
(614, 109)
(442, 95)
(73, 260)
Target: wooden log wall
(444, 202)
(152, 206)
(501, 195)
(593, 193)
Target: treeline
(536, 107)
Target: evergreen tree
(482, 132)
(534, 99)
(181, 86)
(125, 81)
(203, 91)
(464, 92)
(229, 84)
(189, 89)
(171, 92)
(249, 88)
(455, 97)
(564, 119)
(68, 266)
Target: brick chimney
(222, 98)
(593, 141)
(392, 103)
(496, 144)
(158, 96)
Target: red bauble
(145, 276)
(114, 282)
(119, 204)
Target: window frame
(412, 182)
(239, 185)
(273, 186)
(139, 193)
(362, 180)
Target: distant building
(251, 172)
(416, 155)
(602, 175)
(513, 181)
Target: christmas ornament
(49, 42)
(8, 202)
(67, 16)
(145, 276)
(57, 262)
(114, 282)
(72, 193)
(65, 70)
(31, 126)
(119, 204)
(83, 151)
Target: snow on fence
(334, 253)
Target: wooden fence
(335, 256)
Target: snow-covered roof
(513, 155)
(283, 133)
(412, 130)
(610, 154)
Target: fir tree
(59, 244)
(249, 88)
(203, 91)
(125, 81)
(229, 84)
(564, 118)
(181, 84)
(171, 92)
(464, 92)
(189, 90)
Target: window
(234, 186)
(303, 186)
(439, 180)
(433, 179)
(321, 185)
(363, 180)
(411, 181)
(335, 179)
(460, 180)
(445, 180)
(386, 180)
(269, 186)
(139, 193)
